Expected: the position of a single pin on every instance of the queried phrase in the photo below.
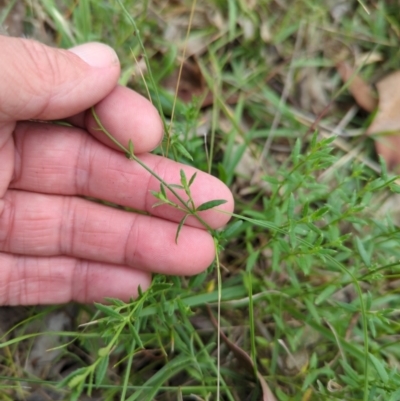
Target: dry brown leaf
(386, 123)
(368, 58)
(361, 91)
(246, 361)
(387, 120)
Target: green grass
(310, 262)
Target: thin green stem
(146, 59)
(131, 156)
(219, 283)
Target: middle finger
(68, 161)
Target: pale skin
(56, 246)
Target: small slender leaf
(159, 195)
(290, 208)
(183, 151)
(108, 311)
(325, 294)
(78, 379)
(363, 252)
(192, 179)
(320, 212)
(210, 204)
(251, 261)
(101, 370)
(232, 228)
(158, 204)
(162, 190)
(296, 151)
(135, 335)
(379, 368)
(130, 146)
(181, 223)
(384, 172)
(64, 382)
(183, 179)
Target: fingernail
(96, 54)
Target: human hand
(56, 246)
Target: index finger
(126, 115)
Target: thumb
(40, 82)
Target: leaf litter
(385, 127)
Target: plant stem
(131, 156)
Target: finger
(63, 160)
(44, 225)
(127, 116)
(39, 82)
(45, 83)
(29, 280)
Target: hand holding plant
(55, 246)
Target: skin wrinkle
(41, 64)
(7, 161)
(23, 282)
(44, 62)
(18, 152)
(89, 160)
(81, 274)
(9, 216)
(79, 165)
(133, 231)
(67, 226)
(5, 287)
(130, 177)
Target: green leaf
(379, 368)
(192, 179)
(181, 223)
(160, 287)
(395, 396)
(271, 180)
(183, 151)
(232, 228)
(290, 208)
(102, 352)
(251, 261)
(77, 380)
(135, 335)
(384, 172)
(101, 369)
(162, 190)
(210, 204)
(362, 251)
(395, 188)
(183, 179)
(65, 382)
(130, 147)
(152, 386)
(108, 311)
(159, 196)
(176, 186)
(325, 294)
(296, 151)
(320, 212)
